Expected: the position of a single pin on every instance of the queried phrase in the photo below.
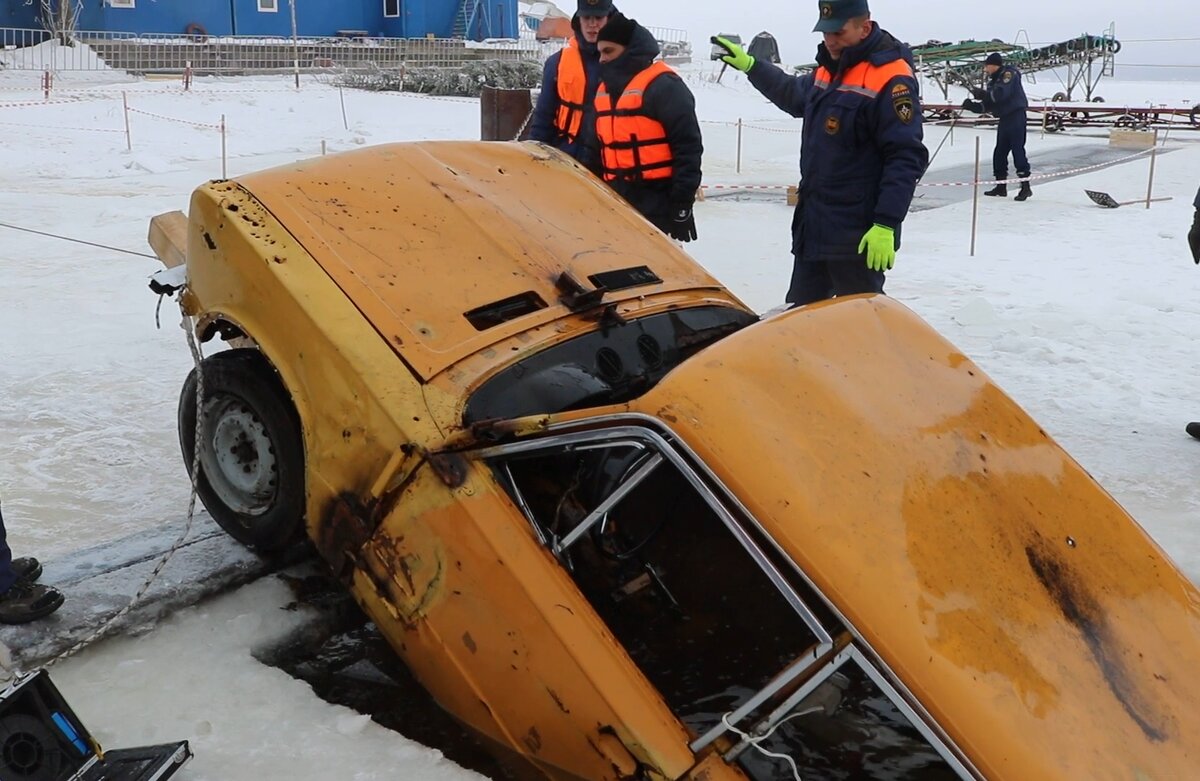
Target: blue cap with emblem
(835, 14)
(595, 7)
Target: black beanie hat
(618, 30)
(994, 59)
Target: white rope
(753, 741)
(197, 357)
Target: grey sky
(1045, 21)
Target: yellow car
(622, 528)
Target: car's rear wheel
(251, 476)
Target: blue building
(474, 19)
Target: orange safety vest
(633, 147)
(864, 78)
(572, 91)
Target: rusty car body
(623, 528)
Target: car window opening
(611, 366)
(706, 625)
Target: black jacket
(1005, 95)
(669, 102)
(541, 126)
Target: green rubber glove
(880, 245)
(737, 56)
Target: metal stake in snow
(975, 199)
(128, 137)
(739, 146)
(295, 45)
(224, 164)
(1153, 155)
(342, 97)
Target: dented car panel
(384, 225)
(958, 540)
(622, 529)
(477, 608)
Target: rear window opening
(609, 366)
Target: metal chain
(524, 125)
(197, 358)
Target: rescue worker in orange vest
(861, 150)
(646, 125)
(565, 115)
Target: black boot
(25, 602)
(1025, 193)
(1000, 191)
(27, 569)
(1193, 428)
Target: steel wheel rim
(238, 456)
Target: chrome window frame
(637, 426)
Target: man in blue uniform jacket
(1005, 99)
(861, 150)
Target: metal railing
(38, 50)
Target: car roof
(419, 234)
(1025, 609)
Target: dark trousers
(1010, 138)
(7, 578)
(816, 280)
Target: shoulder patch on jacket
(1007, 76)
(903, 105)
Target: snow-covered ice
(1085, 316)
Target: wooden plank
(168, 238)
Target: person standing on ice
(861, 151)
(1194, 233)
(1193, 428)
(646, 125)
(565, 115)
(22, 599)
(1005, 99)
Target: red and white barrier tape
(35, 103)
(745, 186)
(1053, 175)
(60, 127)
(208, 125)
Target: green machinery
(1087, 59)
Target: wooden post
(224, 161)
(975, 201)
(128, 137)
(739, 145)
(322, 147)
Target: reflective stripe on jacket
(861, 143)
(572, 92)
(633, 147)
(864, 78)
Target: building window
(268, 6)
(121, 3)
(391, 8)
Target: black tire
(252, 454)
(1097, 99)
(1058, 97)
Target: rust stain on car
(1084, 612)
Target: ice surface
(1086, 316)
